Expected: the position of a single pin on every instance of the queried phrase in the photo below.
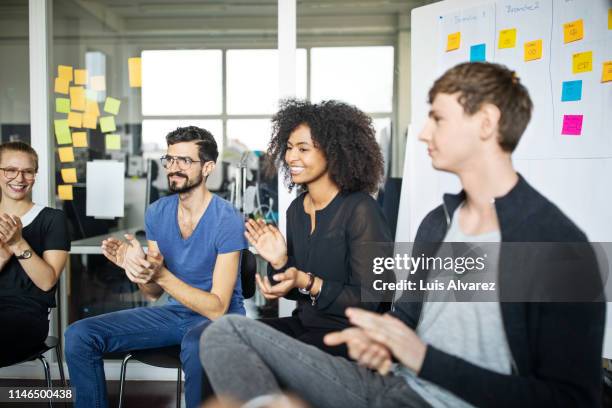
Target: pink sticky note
(572, 125)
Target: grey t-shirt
(473, 331)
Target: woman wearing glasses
(34, 245)
(334, 227)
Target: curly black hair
(344, 134)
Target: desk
(93, 245)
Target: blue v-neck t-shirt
(192, 260)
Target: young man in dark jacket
(539, 349)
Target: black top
(544, 338)
(48, 231)
(339, 251)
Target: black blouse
(339, 251)
(48, 231)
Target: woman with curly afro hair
(330, 151)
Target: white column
(40, 23)
(286, 85)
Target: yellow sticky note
(606, 73)
(507, 38)
(134, 70)
(90, 121)
(62, 105)
(69, 175)
(62, 132)
(610, 19)
(64, 191)
(92, 108)
(533, 50)
(61, 86)
(66, 154)
(79, 139)
(75, 120)
(65, 72)
(453, 41)
(77, 98)
(112, 105)
(573, 31)
(97, 83)
(107, 124)
(80, 76)
(582, 62)
(113, 142)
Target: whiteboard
(575, 172)
(105, 189)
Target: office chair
(169, 357)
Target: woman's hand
(291, 278)
(10, 229)
(5, 253)
(268, 241)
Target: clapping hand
(10, 229)
(268, 241)
(286, 281)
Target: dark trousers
(23, 332)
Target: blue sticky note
(572, 91)
(477, 52)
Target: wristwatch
(27, 254)
(311, 280)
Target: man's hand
(362, 348)
(392, 333)
(119, 251)
(147, 270)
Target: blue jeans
(146, 327)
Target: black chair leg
(45, 364)
(178, 388)
(122, 378)
(60, 364)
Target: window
(181, 82)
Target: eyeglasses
(11, 173)
(183, 162)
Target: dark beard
(187, 187)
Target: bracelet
(311, 280)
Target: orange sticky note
(97, 83)
(75, 120)
(453, 41)
(65, 72)
(606, 73)
(77, 98)
(69, 175)
(61, 86)
(80, 76)
(533, 50)
(92, 107)
(65, 191)
(573, 31)
(66, 154)
(79, 139)
(135, 72)
(582, 62)
(507, 38)
(90, 121)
